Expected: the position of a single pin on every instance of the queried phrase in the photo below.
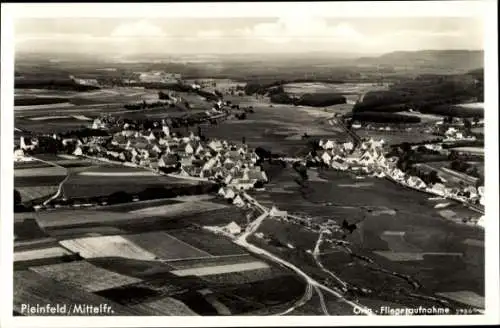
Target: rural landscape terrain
(250, 185)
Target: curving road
(253, 226)
(59, 188)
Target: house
(207, 173)
(480, 221)
(397, 174)
(238, 201)
(166, 130)
(199, 149)
(189, 149)
(27, 143)
(243, 184)
(339, 166)
(128, 133)
(348, 146)
(258, 175)
(183, 171)
(326, 158)
(228, 179)
(416, 182)
(229, 193)
(211, 163)
(233, 228)
(168, 160)
(187, 161)
(274, 212)
(78, 151)
(439, 189)
(18, 155)
(151, 136)
(329, 144)
(216, 145)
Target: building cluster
(81, 81)
(159, 77)
(369, 158)
(162, 151)
(454, 134)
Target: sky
(173, 35)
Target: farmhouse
(274, 212)
(233, 228)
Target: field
(105, 179)
(393, 225)
(451, 177)
(82, 274)
(36, 181)
(142, 269)
(166, 247)
(395, 137)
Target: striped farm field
(42, 253)
(188, 264)
(86, 218)
(30, 164)
(165, 246)
(129, 207)
(80, 218)
(164, 306)
(220, 216)
(184, 208)
(82, 183)
(71, 233)
(118, 174)
(84, 275)
(51, 171)
(33, 288)
(107, 246)
(140, 269)
(245, 277)
(465, 297)
(36, 192)
(214, 244)
(221, 269)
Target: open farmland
(427, 237)
(82, 274)
(107, 246)
(33, 288)
(104, 180)
(166, 247)
(213, 244)
(37, 181)
(396, 137)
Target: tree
(467, 125)
(17, 197)
(433, 177)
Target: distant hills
(456, 60)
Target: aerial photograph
(249, 166)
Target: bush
(384, 117)
(39, 101)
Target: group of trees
(433, 94)
(52, 84)
(308, 99)
(464, 167)
(121, 197)
(39, 101)
(145, 105)
(384, 117)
